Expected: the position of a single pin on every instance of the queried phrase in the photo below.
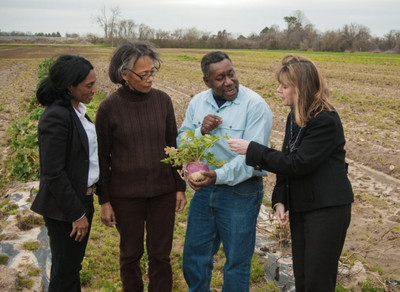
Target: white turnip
(193, 170)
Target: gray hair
(210, 58)
(121, 61)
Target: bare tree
(355, 37)
(391, 38)
(115, 14)
(272, 40)
(191, 34)
(177, 34)
(126, 29)
(102, 20)
(330, 41)
(301, 18)
(145, 32)
(108, 24)
(162, 35)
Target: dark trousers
(317, 241)
(66, 253)
(157, 215)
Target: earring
(69, 92)
(126, 83)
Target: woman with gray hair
(134, 125)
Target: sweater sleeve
(171, 134)
(104, 138)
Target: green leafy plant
(36, 113)
(86, 277)
(23, 133)
(43, 72)
(25, 160)
(192, 151)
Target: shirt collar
(82, 110)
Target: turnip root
(197, 176)
(193, 170)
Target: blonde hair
(311, 94)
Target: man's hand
(81, 228)
(107, 215)
(180, 201)
(280, 214)
(210, 122)
(211, 177)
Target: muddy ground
(373, 236)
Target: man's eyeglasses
(144, 77)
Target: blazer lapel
(81, 130)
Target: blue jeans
(228, 214)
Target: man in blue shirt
(225, 206)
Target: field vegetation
(364, 90)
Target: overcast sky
(236, 16)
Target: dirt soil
(374, 234)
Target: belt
(91, 190)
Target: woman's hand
(280, 214)
(238, 145)
(81, 228)
(180, 201)
(107, 215)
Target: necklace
(292, 145)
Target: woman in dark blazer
(69, 168)
(311, 171)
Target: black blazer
(314, 175)
(64, 164)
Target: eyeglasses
(144, 77)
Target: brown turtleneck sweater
(133, 129)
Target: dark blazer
(64, 164)
(314, 175)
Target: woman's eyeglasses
(144, 77)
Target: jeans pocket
(248, 187)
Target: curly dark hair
(210, 58)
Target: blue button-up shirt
(247, 117)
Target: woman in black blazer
(69, 168)
(311, 175)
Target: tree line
(299, 34)
(38, 34)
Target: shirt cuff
(197, 132)
(80, 218)
(220, 177)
